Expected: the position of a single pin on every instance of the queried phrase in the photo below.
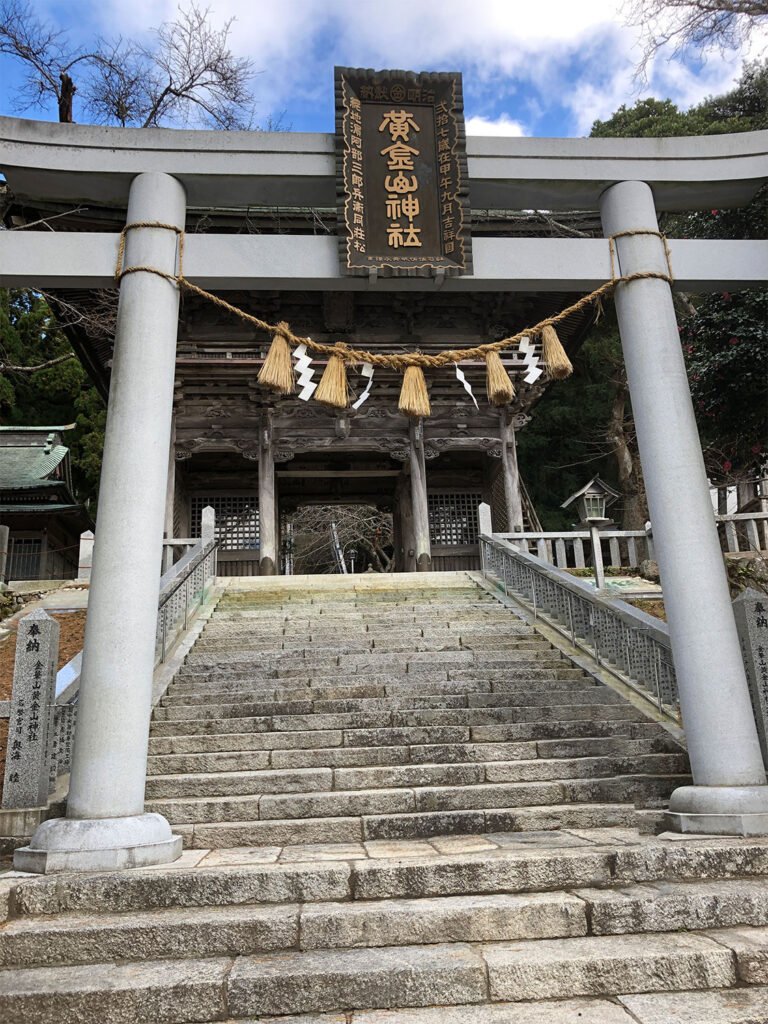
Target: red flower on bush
(727, 466)
(733, 341)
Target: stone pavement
(401, 805)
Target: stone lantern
(591, 503)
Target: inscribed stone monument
(30, 734)
(751, 612)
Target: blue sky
(544, 68)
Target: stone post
(106, 826)
(597, 556)
(30, 731)
(85, 558)
(267, 506)
(484, 525)
(4, 543)
(729, 795)
(207, 525)
(422, 544)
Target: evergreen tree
(724, 339)
(55, 396)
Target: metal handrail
(183, 570)
(632, 646)
(196, 567)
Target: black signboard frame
(402, 185)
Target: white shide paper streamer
(531, 360)
(366, 371)
(467, 385)
(304, 372)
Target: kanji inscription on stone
(30, 733)
(750, 610)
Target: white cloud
(518, 57)
(500, 126)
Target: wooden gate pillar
(268, 565)
(419, 498)
(513, 500)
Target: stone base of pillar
(719, 810)
(99, 844)
(424, 563)
(267, 567)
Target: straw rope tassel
(414, 398)
(558, 364)
(277, 373)
(498, 384)
(414, 394)
(333, 389)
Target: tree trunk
(68, 90)
(635, 513)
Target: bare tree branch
(44, 220)
(725, 24)
(359, 526)
(558, 228)
(97, 316)
(10, 368)
(188, 75)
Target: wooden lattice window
(453, 517)
(237, 519)
(24, 559)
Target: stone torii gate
(157, 174)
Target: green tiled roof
(22, 465)
(10, 509)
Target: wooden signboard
(403, 197)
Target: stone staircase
(401, 805)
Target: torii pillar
(106, 826)
(729, 795)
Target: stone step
(318, 803)
(70, 938)
(454, 973)
(537, 863)
(333, 646)
(722, 1006)
(677, 906)
(315, 659)
(153, 992)
(423, 825)
(435, 737)
(323, 626)
(328, 598)
(352, 757)
(434, 690)
(452, 615)
(457, 681)
(218, 632)
(244, 705)
(255, 780)
(432, 717)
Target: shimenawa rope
(396, 361)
